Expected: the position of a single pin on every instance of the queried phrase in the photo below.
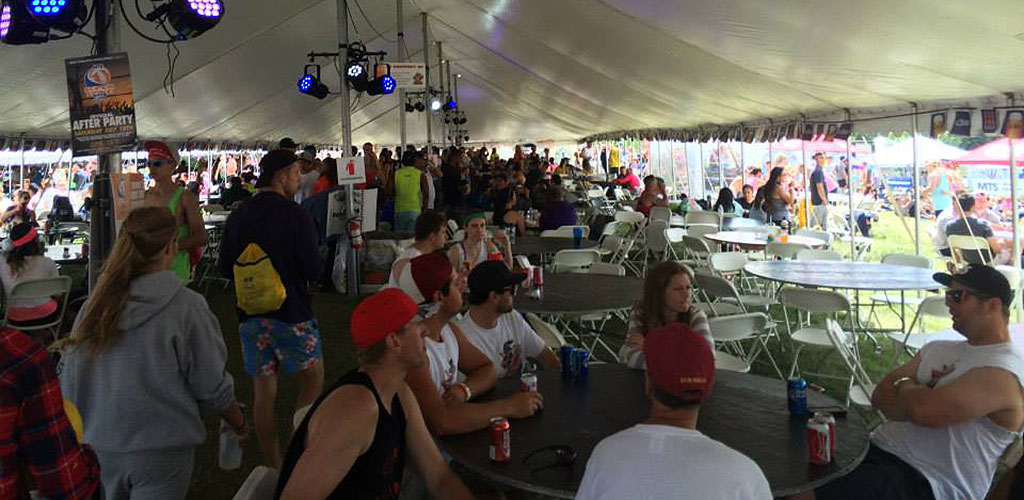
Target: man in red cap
(356, 438)
(666, 457)
(183, 205)
(443, 398)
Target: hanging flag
(938, 124)
(830, 133)
(1013, 124)
(989, 122)
(961, 123)
(844, 131)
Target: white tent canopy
(541, 69)
(902, 152)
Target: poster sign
(365, 205)
(409, 76)
(988, 121)
(961, 123)
(351, 170)
(1013, 124)
(938, 124)
(129, 191)
(991, 180)
(102, 107)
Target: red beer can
(501, 440)
(495, 256)
(831, 420)
(819, 450)
(528, 382)
(538, 276)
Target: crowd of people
(146, 358)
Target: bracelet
(469, 393)
(896, 383)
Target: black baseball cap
(287, 143)
(272, 163)
(490, 276)
(982, 279)
(409, 158)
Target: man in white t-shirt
(494, 327)
(952, 410)
(430, 233)
(307, 176)
(666, 457)
(443, 398)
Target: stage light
(191, 18)
(420, 106)
(435, 104)
(18, 27)
(451, 105)
(355, 73)
(310, 83)
(384, 84)
(409, 108)
(65, 15)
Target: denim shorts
(269, 345)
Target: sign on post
(129, 194)
(351, 170)
(409, 76)
(102, 107)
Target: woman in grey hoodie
(143, 385)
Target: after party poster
(102, 105)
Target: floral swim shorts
(267, 343)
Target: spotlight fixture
(355, 73)
(65, 15)
(435, 104)
(189, 18)
(420, 107)
(409, 108)
(466, 138)
(384, 84)
(447, 119)
(17, 27)
(310, 83)
(451, 105)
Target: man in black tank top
(355, 439)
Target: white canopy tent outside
(901, 153)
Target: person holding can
(474, 249)
(356, 438)
(952, 410)
(667, 299)
(495, 327)
(666, 457)
(443, 397)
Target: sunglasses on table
(957, 296)
(556, 455)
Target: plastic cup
(577, 237)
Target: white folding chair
(810, 301)
(607, 269)
(565, 232)
(655, 243)
(212, 208)
(784, 251)
(452, 227)
(661, 213)
(910, 342)
(860, 387)
(458, 236)
(701, 230)
(546, 331)
(825, 236)
(969, 249)
(715, 287)
(37, 290)
(568, 260)
(815, 254)
(730, 331)
(704, 217)
(698, 251)
(890, 299)
(259, 485)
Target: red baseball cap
(423, 276)
(380, 314)
(680, 362)
(160, 151)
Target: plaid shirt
(34, 431)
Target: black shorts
(881, 476)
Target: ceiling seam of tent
(666, 102)
(956, 78)
(716, 56)
(535, 75)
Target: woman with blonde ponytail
(144, 362)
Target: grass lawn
(333, 311)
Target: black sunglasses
(556, 455)
(957, 296)
(512, 289)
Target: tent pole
(426, 98)
(700, 150)
(721, 167)
(849, 191)
(807, 189)
(22, 164)
(440, 86)
(917, 187)
(1013, 217)
(672, 163)
(351, 256)
(401, 58)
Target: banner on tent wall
(991, 180)
(989, 122)
(961, 123)
(102, 107)
(938, 124)
(129, 193)
(1013, 124)
(409, 76)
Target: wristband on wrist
(469, 393)
(900, 381)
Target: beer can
(495, 256)
(566, 354)
(819, 450)
(581, 365)
(831, 421)
(538, 276)
(501, 440)
(528, 382)
(796, 390)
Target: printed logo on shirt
(938, 374)
(449, 375)
(511, 357)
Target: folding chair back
(607, 268)
(565, 232)
(725, 263)
(701, 230)
(56, 288)
(259, 485)
(595, 193)
(814, 233)
(631, 218)
(568, 260)
(654, 233)
(861, 387)
(661, 213)
(814, 254)
(934, 306)
(969, 249)
(546, 331)
(697, 247)
(452, 227)
(458, 236)
(717, 287)
(785, 251)
(738, 326)
(814, 301)
(909, 260)
(704, 217)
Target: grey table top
(580, 293)
(759, 239)
(728, 223)
(537, 245)
(844, 275)
(745, 412)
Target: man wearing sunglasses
(495, 328)
(953, 409)
(183, 205)
(666, 457)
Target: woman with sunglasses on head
(667, 299)
(24, 261)
(145, 360)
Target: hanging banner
(991, 180)
(844, 131)
(409, 76)
(961, 123)
(351, 170)
(989, 121)
(938, 124)
(1013, 124)
(102, 107)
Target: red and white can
(538, 276)
(501, 440)
(495, 256)
(819, 447)
(528, 382)
(831, 420)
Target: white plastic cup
(230, 456)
